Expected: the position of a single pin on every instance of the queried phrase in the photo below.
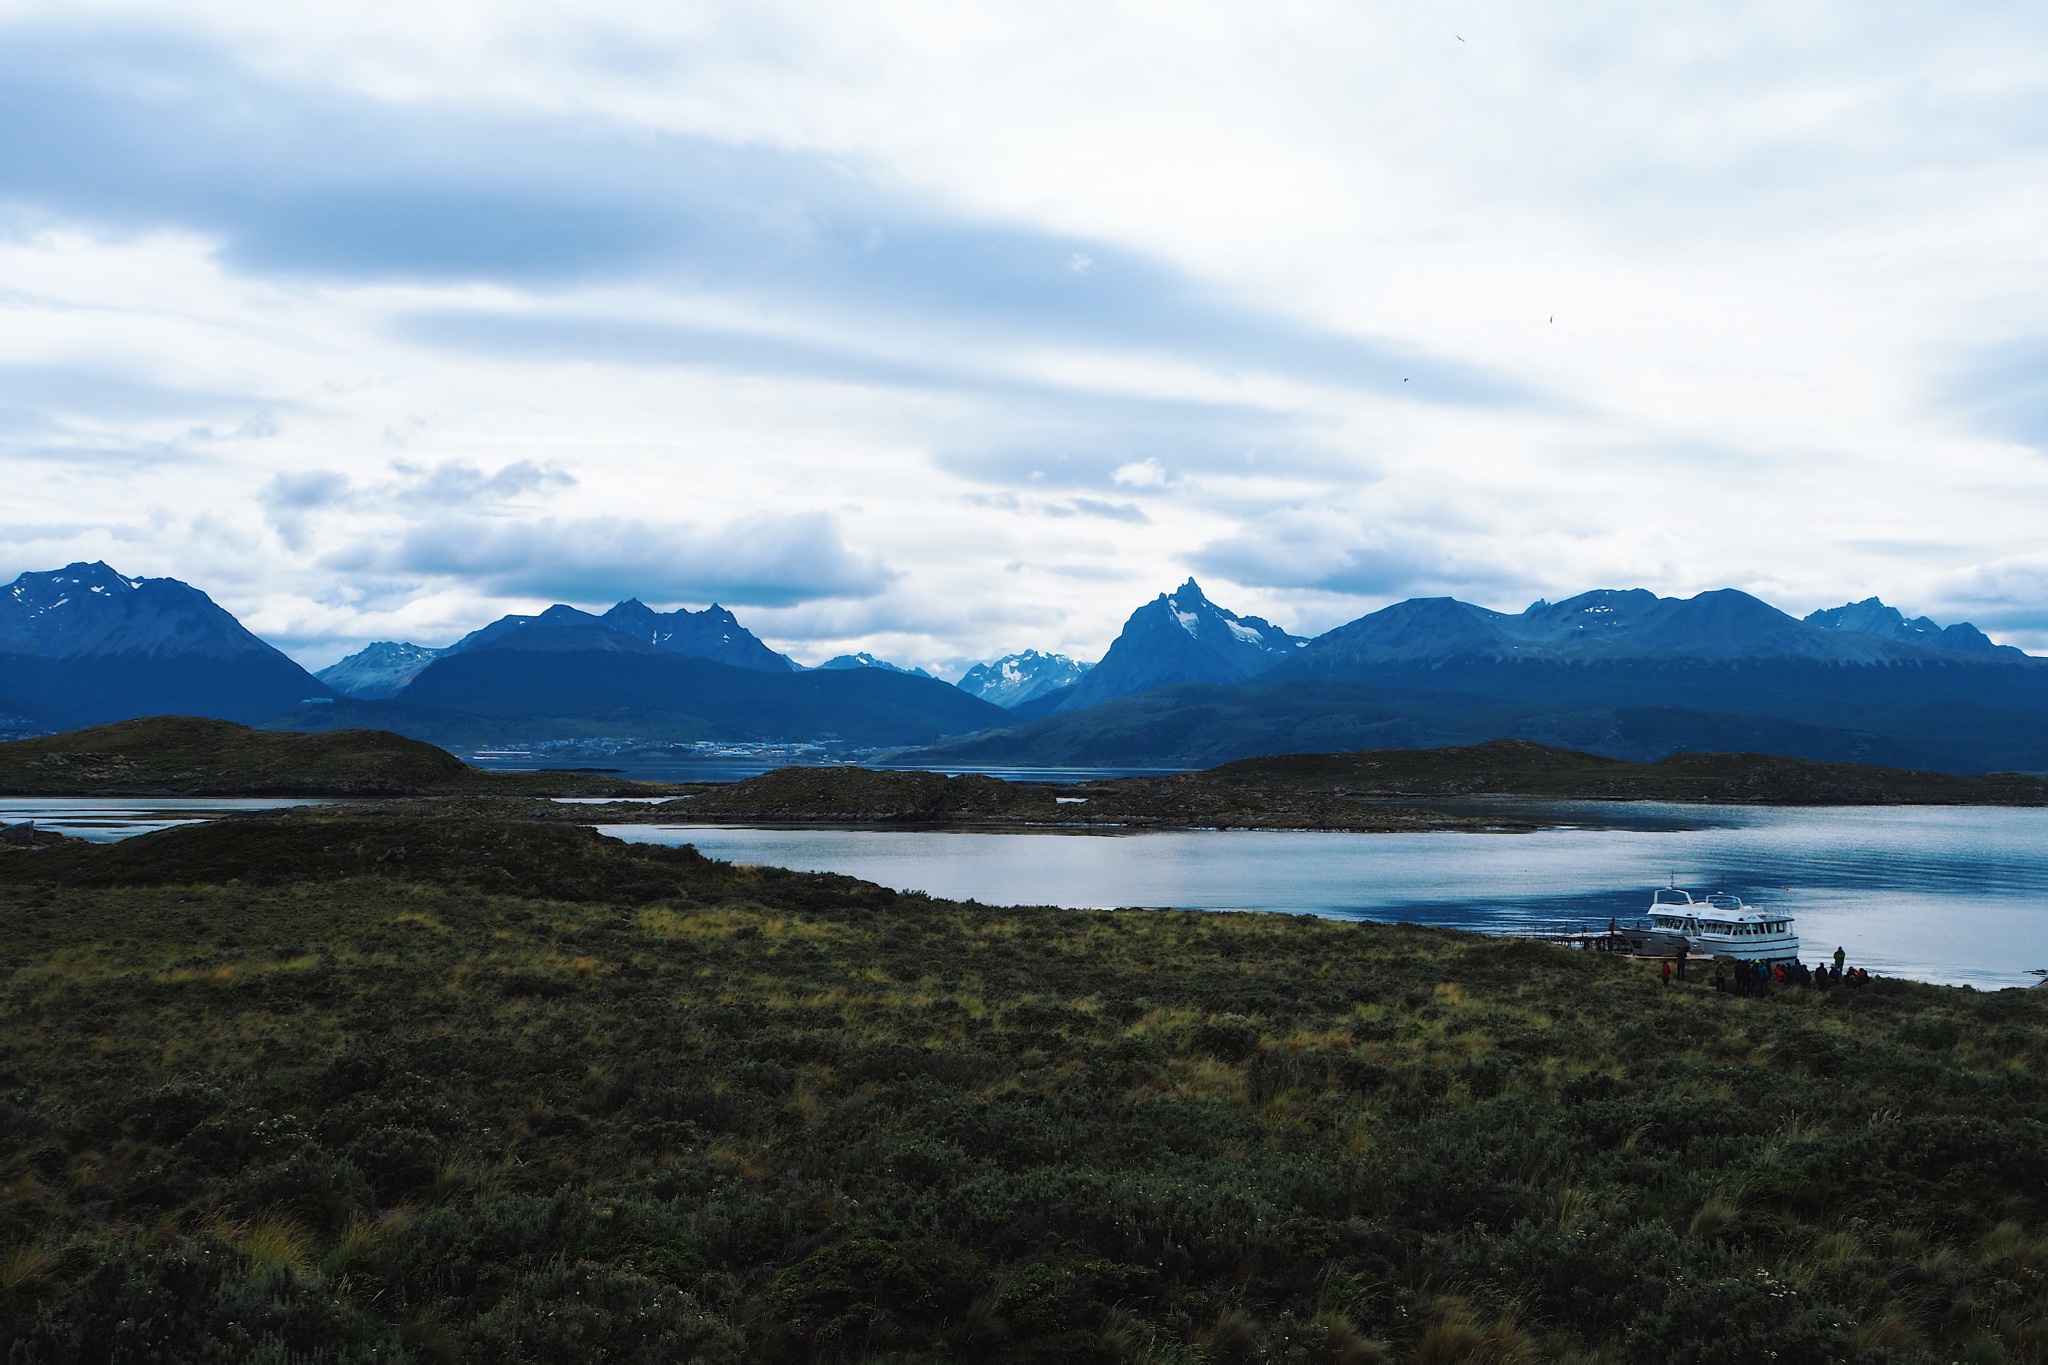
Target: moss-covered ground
(353, 1089)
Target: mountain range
(633, 671)
(1181, 637)
(378, 670)
(867, 660)
(1626, 674)
(1872, 617)
(1187, 683)
(1017, 679)
(83, 645)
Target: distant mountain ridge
(382, 670)
(713, 634)
(1018, 678)
(378, 670)
(635, 672)
(1182, 637)
(1872, 617)
(1625, 674)
(85, 645)
(1603, 625)
(867, 660)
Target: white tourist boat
(1719, 924)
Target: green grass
(352, 1089)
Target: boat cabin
(1722, 925)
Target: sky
(944, 330)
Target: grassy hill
(190, 756)
(870, 796)
(350, 1089)
(1519, 768)
(1357, 791)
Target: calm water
(1937, 893)
(735, 768)
(104, 819)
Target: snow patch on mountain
(378, 670)
(867, 660)
(1017, 678)
(1182, 637)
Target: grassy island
(361, 1088)
(1375, 791)
(192, 756)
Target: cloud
(1113, 511)
(140, 130)
(93, 392)
(36, 533)
(454, 483)
(2004, 390)
(303, 491)
(763, 560)
(1333, 552)
(1146, 473)
(288, 499)
(1062, 507)
(260, 427)
(1644, 289)
(2006, 594)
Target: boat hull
(1755, 948)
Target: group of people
(1752, 978)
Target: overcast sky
(946, 330)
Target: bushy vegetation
(1353, 791)
(355, 1089)
(869, 796)
(193, 756)
(1516, 767)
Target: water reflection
(1937, 893)
(104, 819)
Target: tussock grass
(353, 1088)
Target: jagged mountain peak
(1024, 676)
(1609, 624)
(84, 608)
(863, 659)
(89, 644)
(1872, 617)
(1602, 611)
(54, 588)
(558, 628)
(713, 633)
(378, 670)
(1182, 637)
